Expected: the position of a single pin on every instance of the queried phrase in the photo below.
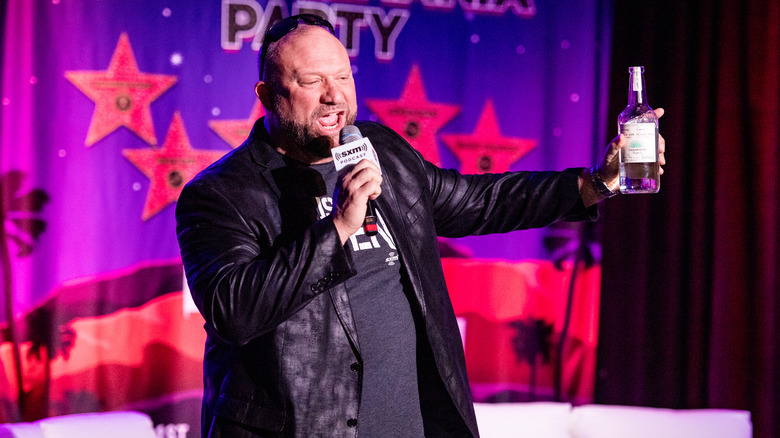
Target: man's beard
(305, 139)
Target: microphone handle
(369, 224)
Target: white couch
(561, 420)
(124, 424)
(499, 420)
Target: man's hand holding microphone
(357, 186)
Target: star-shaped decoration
(122, 95)
(414, 117)
(486, 150)
(234, 132)
(169, 167)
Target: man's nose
(332, 92)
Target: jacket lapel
(340, 299)
(395, 220)
(264, 155)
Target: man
(314, 328)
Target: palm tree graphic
(532, 339)
(21, 227)
(580, 244)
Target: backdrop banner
(109, 108)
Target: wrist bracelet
(599, 184)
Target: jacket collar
(259, 145)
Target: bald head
(299, 37)
(307, 90)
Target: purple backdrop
(107, 107)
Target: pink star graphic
(414, 117)
(234, 132)
(170, 167)
(122, 95)
(486, 150)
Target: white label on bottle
(637, 76)
(641, 143)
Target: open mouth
(330, 121)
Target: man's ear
(265, 94)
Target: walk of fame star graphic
(414, 117)
(234, 132)
(122, 95)
(169, 167)
(486, 150)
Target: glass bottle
(639, 169)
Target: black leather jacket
(281, 356)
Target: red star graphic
(170, 167)
(414, 117)
(486, 150)
(234, 132)
(122, 95)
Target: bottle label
(641, 143)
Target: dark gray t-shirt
(390, 402)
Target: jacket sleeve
(241, 281)
(466, 205)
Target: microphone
(353, 148)
(349, 134)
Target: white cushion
(604, 421)
(99, 425)
(21, 430)
(523, 420)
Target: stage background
(108, 108)
(690, 312)
(690, 319)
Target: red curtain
(690, 308)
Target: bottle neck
(636, 87)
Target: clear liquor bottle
(639, 168)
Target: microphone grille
(349, 133)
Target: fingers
(659, 112)
(608, 167)
(363, 179)
(618, 143)
(353, 190)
